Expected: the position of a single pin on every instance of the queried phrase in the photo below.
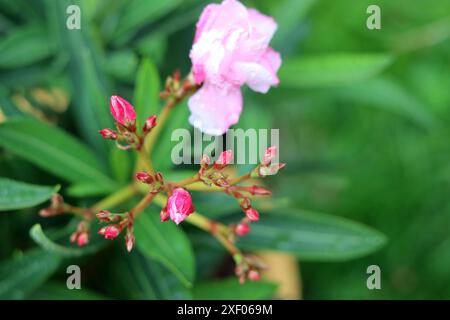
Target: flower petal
(215, 109)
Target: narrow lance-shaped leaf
(53, 150)
(146, 95)
(331, 69)
(22, 275)
(312, 236)
(166, 243)
(18, 195)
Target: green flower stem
(116, 198)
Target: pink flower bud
(254, 275)
(252, 214)
(82, 239)
(110, 232)
(259, 191)
(47, 212)
(164, 215)
(57, 201)
(144, 177)
(108, 134)
(269, 155)
(159, 177)
(103, 214)
(205, 161)
(270, 170)
(242, 229)
(224, 159)
(150, 123)
(122, 110)
(179, 205)
(129, 241)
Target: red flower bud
(164, 215)
(269, 155)
(224, 159)
(254, 275)
(259, 191)
(150, 123)
(110, 232)
(179, 205)
(144, 177)
(82, 239)
(242, 229)
(252, 214)
(108, 134)
(122, 110)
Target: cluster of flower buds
(155, 182)
(56, 207)
(213, 175)
(268, 167)
(176, 88)
(81, 234)
(248, 267)
(179, 206)
(121, 221)
(126, 136)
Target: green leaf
(138, 13)
(23, 274)
(38, 235)
(121, 65)
(146, 94)
(166, 243)
(18, 195)
(24, 46)
(138, 277)
(53, 150)
(120, 163)
(90, 87)
(58, 291)
(312, 236)
(231, 289)
(388, 95)
(331, 69)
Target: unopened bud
(110, 232)
(144, 177)
(129, 241)
(270, 170)
(252, 214)
(108, 134)
(259, 191)
(150, 123)
(242, 229)
(269, 155)
(254, 275)
(82, 239)
(164, 215)
(225, 158)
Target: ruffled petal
(214, 109)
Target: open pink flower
(179, 206)
(231, 48)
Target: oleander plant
(94, 205)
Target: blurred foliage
(363, 117)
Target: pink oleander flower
(231, 48)
(122, 110)
(179, 206)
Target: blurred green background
(363, 118)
